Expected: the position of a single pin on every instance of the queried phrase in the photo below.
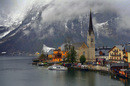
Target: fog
(59, 10)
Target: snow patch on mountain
(102, 29)
(26, 32)
(46, 49)
(66, 27)
(6, 33)
(101, 25)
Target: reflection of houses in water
(125, 81)
(118, 66)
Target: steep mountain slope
(32, 32)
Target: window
(84, 53)
(91, 39)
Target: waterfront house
(128, 54)
(102, 55)
(116, 54)
(57, 55)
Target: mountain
(32, 32)
(46, 49)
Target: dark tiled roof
(121, 47)
(105, 52)
(90, 25)
(127, 48)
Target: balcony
(115, 54)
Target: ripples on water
(18, 71)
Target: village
(85, 56)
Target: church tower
(91, 40)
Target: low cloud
(62, 10)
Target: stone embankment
(93, 68)
(98, 68)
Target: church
(87, 49)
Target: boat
(41, 64)
(57, 67)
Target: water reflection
(20, 72)
(125, 81)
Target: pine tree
(71, 57)
(42, 56)
(68, 57)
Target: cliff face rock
(32, 32)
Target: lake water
(18, 71)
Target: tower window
(84, 53)
(91, 39)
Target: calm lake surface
(18, 71)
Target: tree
(68, 57)
(42, 56)
(82, 59)
(71, 57)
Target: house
(127, 48)
(57, 55)
(116, 54)
(101, 54)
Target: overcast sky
(59, 9)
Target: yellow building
(116, 54)
(128, 54)
(129, 57)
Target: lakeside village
(84, 56)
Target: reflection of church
(87, 49)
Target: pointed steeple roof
(90, 24)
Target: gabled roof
(104, 51)
(120, 47)
(78, 45)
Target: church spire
(90, 24)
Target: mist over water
(18, 71)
